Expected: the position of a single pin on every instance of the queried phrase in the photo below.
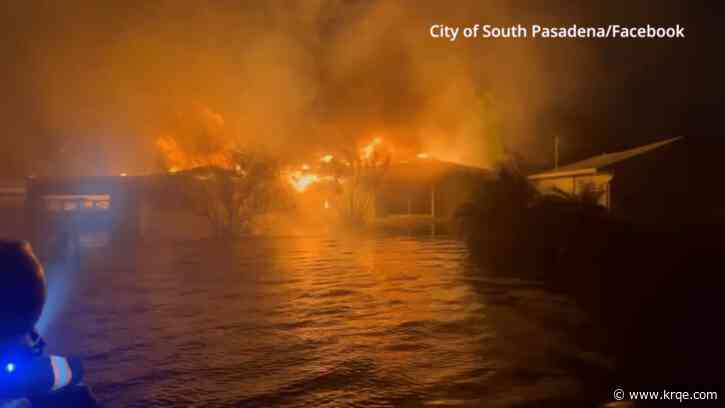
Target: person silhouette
(29, 376)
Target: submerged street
(323, 322)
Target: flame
(303, 178)
(200, 141)
(423, 156)
(327, 158)
(367, 151)
(326, 205)
(177, 159)
(300, 181)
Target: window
(70, 202)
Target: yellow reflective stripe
(62, 374)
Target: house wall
(59, 207)
(448, 193)
(12, 214)
(575, 184)
(403, 200)
(158, 224)
(660, 186)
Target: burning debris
(334, 170)
(300, 180)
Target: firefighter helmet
(22, 288)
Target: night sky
(89, 85)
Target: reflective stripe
(62, 374)
(18, 403)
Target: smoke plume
(92, 86)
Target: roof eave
(556, 174)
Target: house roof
(607, 159)
(425, 171)
(81, 185)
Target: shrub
(231, 199)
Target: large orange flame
(176, 159)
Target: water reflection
(335, 322)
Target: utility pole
(433, 209)
(556, 152)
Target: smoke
(96, 84)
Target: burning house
(418, 190)
(195, 202)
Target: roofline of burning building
(430, 170)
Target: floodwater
(316, 322)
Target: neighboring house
(89, 206)
(12, 204)
(643, 184)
